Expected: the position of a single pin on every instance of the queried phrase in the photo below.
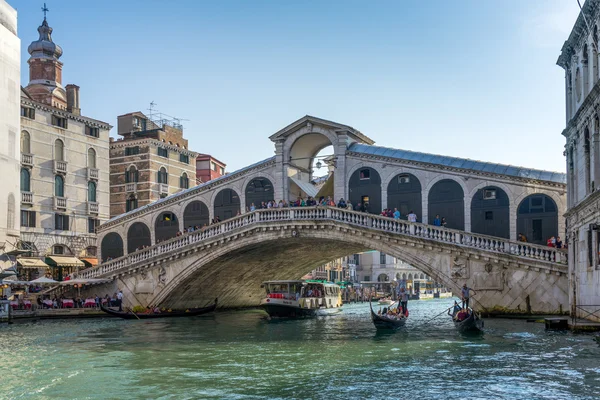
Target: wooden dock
(573, 324)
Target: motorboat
(298, 298)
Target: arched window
(227, 204)
(184, 181)
(138, 237)
(131, 203)
(25, 180)
(537, 218)
(490, 212)
(25, 142)
(59, 186)
(364, 188)
(404, 193)
(10, 215)
(166, 226)
(586, 155)
(59, 150)
(195, 214)
(259, 190)
(163, 177)
(111, 246)
(446, 199)
(91, 158)
(92, 191)
(131, 175)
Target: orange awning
(92, 262)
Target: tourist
(396, 213)
(455, 309)
(466, 294)
(252, 207)
(412, 217)
(437, 221)
(120, 300)
(559, 243)
(349, 205)
(341, 203)
(520, 238)
(444, 223)
(551, 242)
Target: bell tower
(45, 69)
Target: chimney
(73, 99)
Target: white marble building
(579, 58)
(9, 126)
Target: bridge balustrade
(402, 227)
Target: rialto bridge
(485, 206)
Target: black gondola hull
(190, 312)
(383, 323)
(472, 324)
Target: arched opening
(59, 186)
(111, 246)
(138, 237)
(311, 159)
(383, 278)
(184, 181)
(586, 72)
(92, 191)
(91, 158)
(490, 212)
(586, 155)
(166, 226)
(162, 176)
(196, 214)
(131, 203)
(59, 147)
(404, 276)
(25, 180)
(447, 199)
(131, 175)
(364, 190)
(404, 193)
(537, 218)
(259, 190)
(227, 204)
(25, 142)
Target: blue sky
(472, 78)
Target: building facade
(64, 177)
(208, 168)
(579, 58)
(149, 162)
(9, 127)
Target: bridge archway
(226, 204)
(112, 246)
(404, 193)
(364, 187)
(196, 214)
(166, 226)
(259, 190)
(138, 237)
(537, 218)
(447, 199)
(490, 212)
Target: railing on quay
(359, 219)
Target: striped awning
(64, 261)
(31, 263)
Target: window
(131, 151)
(163, 177)
(365, 174)
(367, 278)
(489, 194)
(61, 222)
(28, 219)
(222, 170)
(184, 181)
(59, 121)
(537, 229)
(131, 203)
(25, 180)
(382, 259)
(93, 224)
(91, 251)
(90, 131)
(402, 179)
(10, 215)
(58, 250)
(59, 186)
(25, 142)
(28, 112)
(590, 248)
(184, 158)
(92, 191)
(91, 158)
(162, 152)
(131, 175)
(213, 166)
(59, 150)
(356, 261)
(489, 215)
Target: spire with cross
(45, 10)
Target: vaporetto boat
(297, 299)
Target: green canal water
(241, 355)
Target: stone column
(467, 201)
(280, 184)
(340, 182)
(424, 206)
(512, 223)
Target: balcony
(60, 203)
(60, 167)
(92, 207)
(131, 187)
(27, 198)
(27, 159)
(163, 188)
(93, 173)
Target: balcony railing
(60, 203)
(93, 173)
(26, 198)
(131, 187)
(92, 207)
(60, 167)
(27, 159)
(163, 188)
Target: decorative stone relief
(492, 278)
(459, 269)
(162, 276)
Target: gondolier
(465, 293)
(120, 300)
(404, 300)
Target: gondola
(190, 312)
(382, 322)
(473, 323)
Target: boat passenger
(455, 309)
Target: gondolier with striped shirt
(465, 293)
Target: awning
(90, 261)
(31, 263)
(306, 187)
(62, 261)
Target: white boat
(385, 302)
(295, 299)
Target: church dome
(44, 46)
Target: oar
(445, 311)
(134, 313)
